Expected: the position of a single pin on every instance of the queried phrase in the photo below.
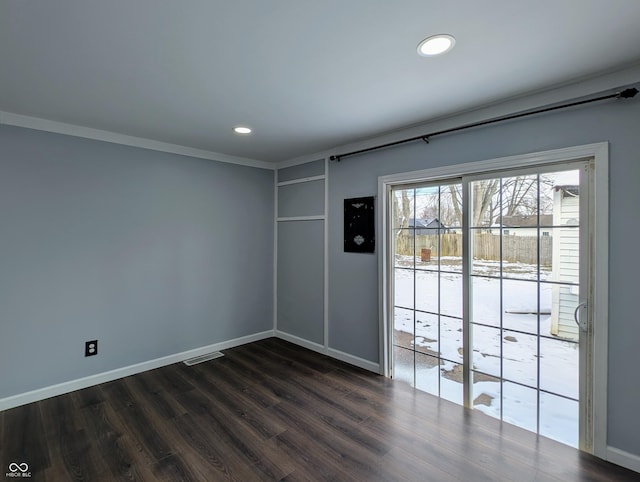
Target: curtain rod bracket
(628, 93)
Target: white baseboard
(73, 385)
(296, 340)
(354, 360)
(337, 354)
(623, 458)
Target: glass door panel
(525, 271)
(428, 286)
(517, 266)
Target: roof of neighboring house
(526, 220)
(568, 190)
(426, 223)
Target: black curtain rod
(624, 94)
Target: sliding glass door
(490, 277)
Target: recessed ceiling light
(241, 130)
(436, 45)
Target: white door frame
(599, 207)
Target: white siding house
(523, 225)
(565, 261)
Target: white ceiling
(305, 75)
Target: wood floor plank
(173, 468)
(436, 448)
(314, 461)
(271, 410)
(444, 422)
(150, 388)
(309, 384)
(234, 434)
(275, 382)
(88, 396)
(23, 441)
(314, 360)
(171, 380)
(234, 403)
(211, 449)
(400, 465)
(145, 430)
(334, 443)
(109, 449)
(68, 445)
(228, 371)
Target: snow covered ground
(521, 351)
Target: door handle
(582, 324)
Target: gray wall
(353, 288)
(300, 171)
(301, 279)
(304, 199)
(150, 253)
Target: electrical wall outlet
(91, 348)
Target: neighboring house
(426, 226)
(566, 203)
(524, 225)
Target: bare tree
(483, 202)
(431, 210)
(490, 198)
(456, 199)
(403, 209)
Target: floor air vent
(203, 358)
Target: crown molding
(47, 125)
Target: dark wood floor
(273, 411)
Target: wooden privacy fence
(523, 249)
